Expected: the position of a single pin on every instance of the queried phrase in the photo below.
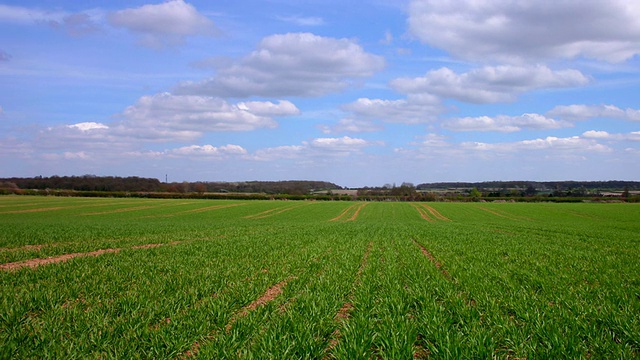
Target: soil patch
(433, 260)
(497, 213)
(435, 213)
(423, 213)
(355, 215)
(32, 263)
(271, 294)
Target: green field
(220, 279)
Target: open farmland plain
(182, 279)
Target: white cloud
(165, 24)
(505, 30)
(604, 135)
(87, 126)
(23, 15)
(293, 64)
(504, 123)
(207, 151)
(303, 20)
(353, 126)
(73, 23)
(584, 112)
(184, 117)
(416, 109)
(316, 148)
(344, 143)
(552, 143)
(489, 84)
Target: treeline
(291, 187)
(83, 183)
(137, 184)
(540, 186)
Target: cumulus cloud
(293, 64)
(73, 23)
(504, 123)
(585, 112)
(489, 84)
(353, 126)
(206, 151)
(316, 148)
(506, 30)
(303, 20)
(416, 109)
(188, 116)
(88, 126)
(76, 24)
(24, 15)
(165, 24)
(568, 144)
(604, 135)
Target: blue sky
(353, 92)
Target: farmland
(181, 279)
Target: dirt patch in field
(423, 213)
(147, 246)
(356, 208)
(209, 208)
(34, 210)
(497, 213)
(26, 248)
(436, 213)
(432, 258)
(347, 308)
(32, 263)
(271, 294)
(357, 212)
(273, 212)
(343, 212)
(120, 210)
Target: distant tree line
(291, 187)
(539, 186)
(100, 186)
(83, 183)
(138, 184)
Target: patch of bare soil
(271, 294)
(279, 212)
(120, 210)
(34, 210)
(345, 311)
(357, 212)
(436, 213)
(32, 263)
(272, 212)
(26, 248)
(497, 213)
(433, 260)
(423, 213)
(147, 246)
(344, 212)
(208, 208)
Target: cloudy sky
(360, 93)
